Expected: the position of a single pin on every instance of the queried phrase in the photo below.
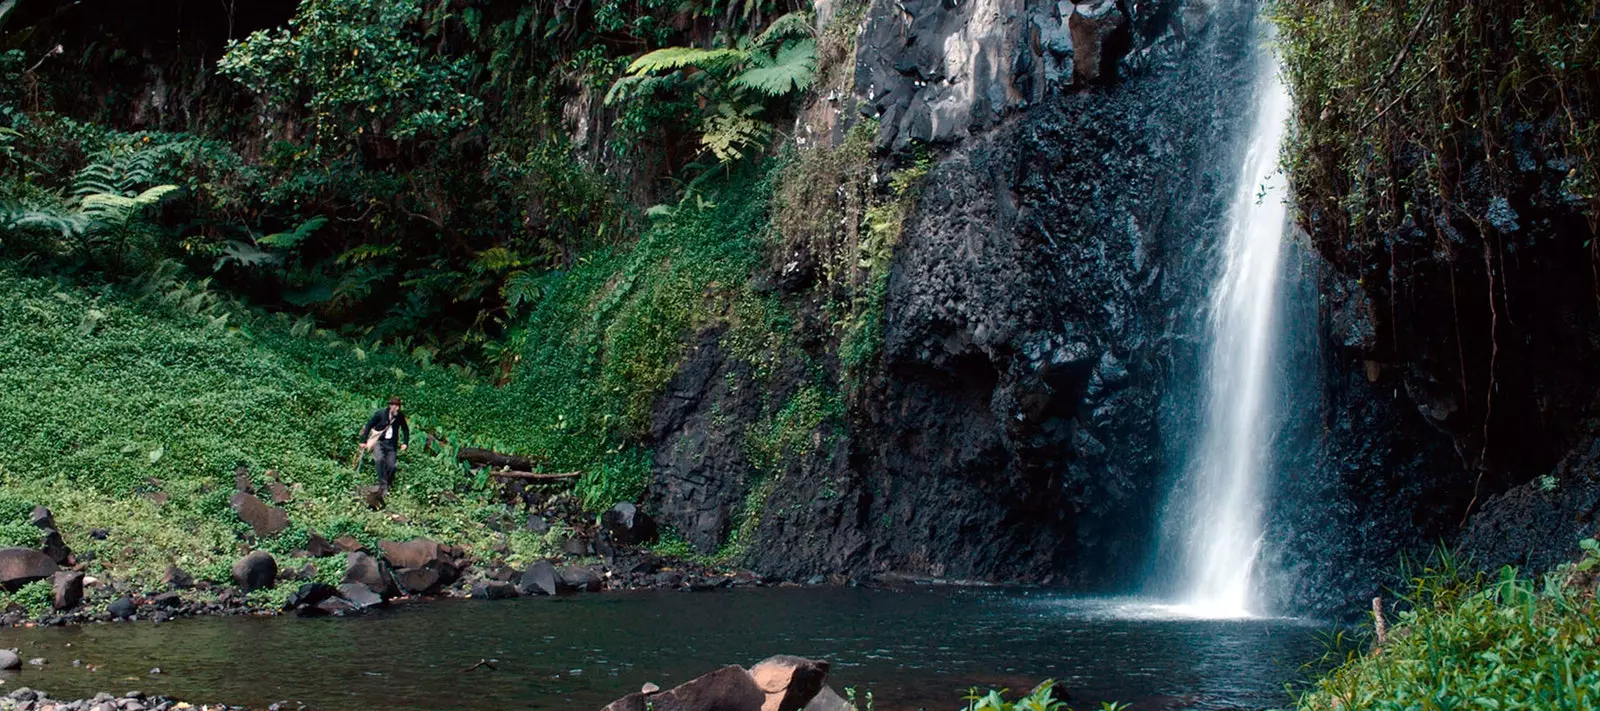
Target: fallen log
(535, 475)
(495, 460)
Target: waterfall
(1227, 471)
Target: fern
(792, 25)
(791, 69)
(520, 287)
(289, 240)
(730, 131)
(115, 209)
(673, 58)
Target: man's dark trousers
(385, 456)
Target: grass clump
(35, 598)
(1480, 642)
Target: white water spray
(1226, 472)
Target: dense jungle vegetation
(515, 217)
(229, 233)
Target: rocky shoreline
(612, 556)
(781, 683)
(25, 699)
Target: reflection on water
(913, 649)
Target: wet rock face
(1034, 310)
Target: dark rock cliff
(1043, 339)
(1039, 303)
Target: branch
(495, 460)
(538, 476)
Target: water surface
(913, 649)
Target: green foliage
(1395, 100)
(827, 204)
(732, 83)
(354, 66)
(1473, 641)
(35, 598)
(1042, 698)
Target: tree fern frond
(289, 240)
(790, 26)
(496, 259)
(520, 288)
(729, 132)
(670, 58)
(792, 69)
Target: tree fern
(673, 58)
(791, 69)
(790, 26)
(731, 131)
(289, 240)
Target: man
(383, 431)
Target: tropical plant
(1042, 698)
(358, 69)
(733, 83)
(102, 221)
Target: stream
(918, 648)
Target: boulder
(20, 566)
(626, 525)
(99, 534)
(309, 595)
(319, 547)
(789, 682)
(537, 524)
(42, 518)
(415, 553)
(539, 579)
(360, 596)
(67, 587)
(727, 689)
(829, 700)
(279, 493)
(370, 572)
(1100, 38)
(576, 546)
(372, 496)
(419, 581)
(177, 578)
(55, 547)
(167, 600)
(332, 606)
(121, 609)
(347, 543)
(265, 520)
(257, 571)
(578, 577)
(493, 590)
(9, 660)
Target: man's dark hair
(394, 400)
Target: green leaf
(792, 69)
(670, 58)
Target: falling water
(1228, 468)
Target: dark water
(913, 649)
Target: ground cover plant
(1464, 641)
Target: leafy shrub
(35, 598)
(20, 535)
(1042, 698)
(1475, 641)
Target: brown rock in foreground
(265, 520)
(781, 683)
(20, 566)
(789, 682)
